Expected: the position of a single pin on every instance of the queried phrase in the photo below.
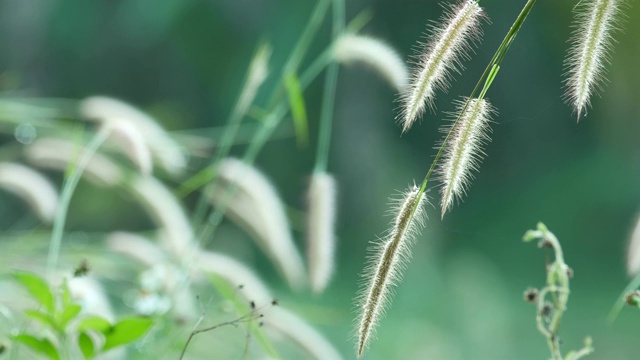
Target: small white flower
(88, 292)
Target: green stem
(328, 98)
(269, 125)
(299, 51)
(557, 278)
(619, 304)
(271, 122)
(65, 198)
(489, 73)
(229, 134)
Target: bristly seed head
(595, 21)
(375, 53)
(633, 250)
(450, 41)
(385, 269)
(321, 239)
(463, 151)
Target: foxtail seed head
(166, 211)
(463, 151)
(32, 186)
(267, 219)
(385, 269)
(633, 250)
(130, 141)
(258, 73)
(450, 41)
(595, 21)
(57, 154)
(321, 237)
(381, 57)
(168, 153)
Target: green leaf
(126, 331)
(42, 317)
(41, 346)
(67, 314)
(86, 345)
(298, 109)
(37, 287)
(229, 292)
(95, 323)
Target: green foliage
(40, 345)
(298, 109)
(37, 288)
(551, 300)
(126, 331)
(57, 314)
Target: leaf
(126, 331)
(42, 317)
(41, 346)
(298, 109)
(230, 293)
(37, 287)
(95, 323)
(86, 345)
(67, 314)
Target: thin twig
(251, 315)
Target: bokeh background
(461, 298)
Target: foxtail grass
(353, 49)
(633, 250)
(166, 211)
(273, 232)
(379, 275)
(385, 269)
(57, 154)
(450, 42)
(168, 153)
(463, 152)
(591, 43)
(131, 142)
(32, 187)
(321, 238)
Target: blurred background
(184, 61)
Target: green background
(461, 297)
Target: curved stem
(489, 73)
(65, 198)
